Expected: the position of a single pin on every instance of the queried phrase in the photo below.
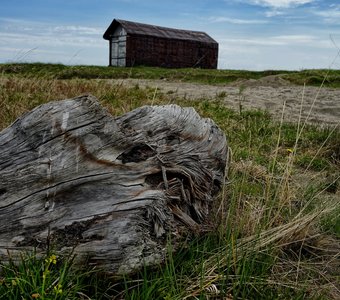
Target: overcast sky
(252, 34)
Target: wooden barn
(134, 44)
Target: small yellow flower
(58, 289)
(35, 295)
(52, 259)
(15, 281)
(289, 150)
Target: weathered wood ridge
(72, 177)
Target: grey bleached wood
(72, 177)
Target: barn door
(118, 48)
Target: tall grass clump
(34, 278)
(273, 232)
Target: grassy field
(329, 78)
(275, 226)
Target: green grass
(275, 226)
(331, 223)
(41, 278)
(330, 78)
(59, 71)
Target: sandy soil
(270, 93)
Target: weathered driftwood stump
(72, 177)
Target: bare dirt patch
(271, 93)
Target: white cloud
(34, 41)
(278, 41)
(242, 42)
(79, 30)
(334, 6)
(277, 7)
(236, 21)
(49, 40)
(280, 3)
(330, 16)
(273, 13)
(296, 38)
(293, 52)
(47, 34)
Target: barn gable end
(118, 47)
(132, 43)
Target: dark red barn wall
(155, 51)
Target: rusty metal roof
(134, 28)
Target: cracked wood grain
(110, 189)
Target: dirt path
(267, 93)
